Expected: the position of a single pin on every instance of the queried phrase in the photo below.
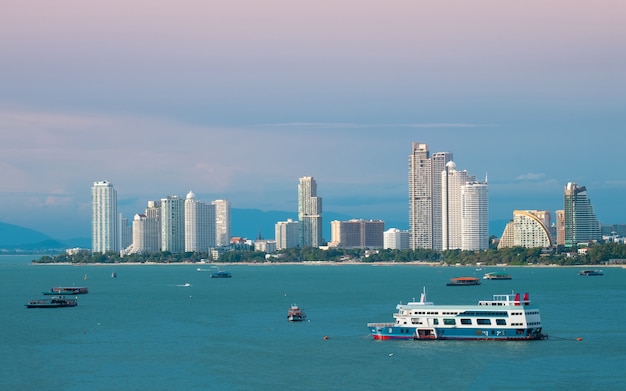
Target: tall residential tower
(425, 207)
(105, 220)
(222, 222)
(173, 224)
(199, 224)
(581, 225)
(309, 213)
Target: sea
(173, 327)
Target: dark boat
(464, 281)
(591, 273)
(67, 290)
(221, 274)
(295, 314)
(53, 302)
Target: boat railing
(385, 324)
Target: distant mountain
(13, 235)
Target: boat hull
(52, 303)
(461, 334)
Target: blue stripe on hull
(404, 333)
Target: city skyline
(236, 101)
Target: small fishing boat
(496, 276)
(67, 290)
(463, 281)
(52, 302)
(221, 274)
(295, 314)
(591, 272)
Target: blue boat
(221, 274)
(504, 318)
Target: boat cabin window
(466, 321)
(483, 321)
(435, 321)
(501, 322)
(449, 322)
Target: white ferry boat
(505, 317)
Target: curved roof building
(529, 229)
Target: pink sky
(183, 87)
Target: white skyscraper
(309, 213)
(173, 224)
(287, 234)
(475, 217)
(199, 224)
(222, 222)
(139, 234)
(425, 196)
(105, 220)
(452, 181)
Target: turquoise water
(145, 330)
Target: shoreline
(321, 263)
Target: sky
(238, 99)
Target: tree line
(596, 254)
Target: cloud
(347, 125)
(531, 176)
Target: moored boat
(591, 272)
(52, 302)
(67, 290)
(505, 317)
(463, 281)
(295, 314)
(497, 276)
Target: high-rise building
(139, 234)
(153, 227)
(199, 225)
(475, 210)
(146, 230)
(105, 220)
(452, 181)
(425, 196)
(396, 239)
(357, 233)
(173, 224)
(287, 234)
(126, 232)
(222, 222)
(309, 213)
(529, 229)
(581, 225)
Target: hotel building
(287, 234)
(357, 233)
(529, 229)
